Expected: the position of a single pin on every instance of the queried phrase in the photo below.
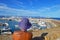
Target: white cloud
(3, 4)
(49, 9)
(46, 11)
(13, 11)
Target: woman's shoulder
(23, 32)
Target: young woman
(23, 34)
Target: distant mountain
(31, 17)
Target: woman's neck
(24, 30)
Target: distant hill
(32, 17)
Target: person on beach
(23, 34)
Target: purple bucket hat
(24, 24)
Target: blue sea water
(56, 18)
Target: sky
(42, 8)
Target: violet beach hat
(24, 24)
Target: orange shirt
(21, 35)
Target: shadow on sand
(40, 37)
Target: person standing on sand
(23, 34)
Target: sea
(56, 18)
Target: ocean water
(56, 18)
